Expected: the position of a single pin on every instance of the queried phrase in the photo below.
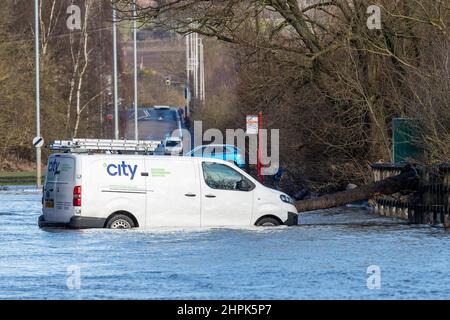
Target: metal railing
(105, 145)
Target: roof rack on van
(104, 145)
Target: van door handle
(190, 195)
(210, 196)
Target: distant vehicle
(225, 152)
(173, 146)
(122, 191)
(161, 107)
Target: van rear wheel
(268, 222)
(120, 221)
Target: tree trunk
(407, 180)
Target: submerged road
(326, 257)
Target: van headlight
(286, 199)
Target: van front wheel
(120, 221)
(268, 222)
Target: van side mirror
(244, 185)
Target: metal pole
(188, 100)
(192, 60)
(187, 58)
(38, 93)
(116, 94)
(188, 71)
(136, 133)
(202, 72)
(259, 166)
(196, 64)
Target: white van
(173, 146)
(128, 191)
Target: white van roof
(147, 157)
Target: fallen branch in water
(406, 180)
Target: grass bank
(17, 178)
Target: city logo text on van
(53, 166)
(83, 189)
(121, 169)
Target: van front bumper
(292, 219)
(76, 222)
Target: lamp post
(38, 87)
(116, 93)
(136, 131)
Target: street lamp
(136, 133)
(116, 93)
(38, 101)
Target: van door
(173, 192)
(223, 204)
(58, 189)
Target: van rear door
(58, 188)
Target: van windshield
(60, 169)
(172, 143)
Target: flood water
(325, 257)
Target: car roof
(217, 145)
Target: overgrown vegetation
(331, 84)
(74, 69)
(319, 74)
(76, 76)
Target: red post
(259, 164)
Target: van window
(220, 176)
(172, 143)
(60, 169)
